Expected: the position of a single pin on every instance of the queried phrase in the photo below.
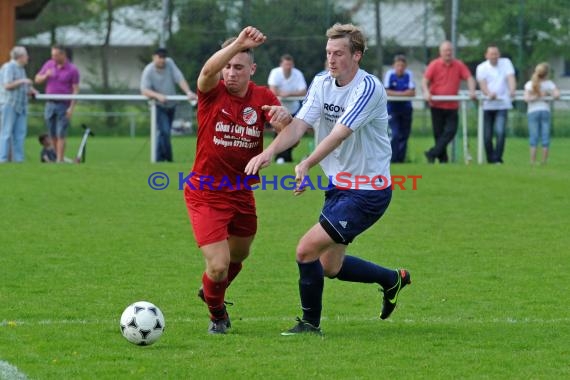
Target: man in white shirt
(287, 81)
(496, 77)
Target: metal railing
(463, 98)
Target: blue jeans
(401, 126)
(539, 123)
(164, 119)
(494, 123)
(13, 132)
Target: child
(48, 152)
(539, 109)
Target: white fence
(463, 98)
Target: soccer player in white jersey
(353, 145)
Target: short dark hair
(287, 57)
(161, 52)
(42, 138)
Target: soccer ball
(142, 323)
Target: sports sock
(214, 293)
(233, 271)
(355, 269)
(311, 283)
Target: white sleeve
(301, 83)
(509, 68)
(412, 83)
(273, 79)
(386, 81)
(363, 104)
(312, 106)
(479, 73)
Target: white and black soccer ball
(142, 323)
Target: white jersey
(496, 78)
(294, 83)
(361, 106)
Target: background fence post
(152, 104)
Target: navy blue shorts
(348, 213)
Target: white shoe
(280, 161)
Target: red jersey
(230, 133)
(445, 79)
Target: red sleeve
(464, 71)
(428, 74)
(206, 97)
(270, 100)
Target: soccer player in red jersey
(232, 112)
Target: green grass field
(487, 247)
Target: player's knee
(217, 271)
(305, 253)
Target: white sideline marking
(9, 372)
(434, 320)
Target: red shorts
(215, 215)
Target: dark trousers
(494, 123)
(401, 126)
(444, 124)
(164, 119)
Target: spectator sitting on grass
(48, 153)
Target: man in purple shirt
(61, 77)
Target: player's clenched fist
(251, 37)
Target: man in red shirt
(443, 76)
(232, 112)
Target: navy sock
(311, 283)
(355, 269)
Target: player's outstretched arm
(284, 140)
(339, 133)
(249, 37)
(279, 117)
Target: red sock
(214, 293)
(233, 271)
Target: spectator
(159, 80)
(496, 77)
(61, 77)
(443, 76)
(48, 152)
(399, 81)
(535, 92)
(16, 88)
(287, 81)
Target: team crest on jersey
(249, 116)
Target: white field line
(421, 321)
(9, 372)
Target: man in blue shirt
(399, 81)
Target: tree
(296, 27)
